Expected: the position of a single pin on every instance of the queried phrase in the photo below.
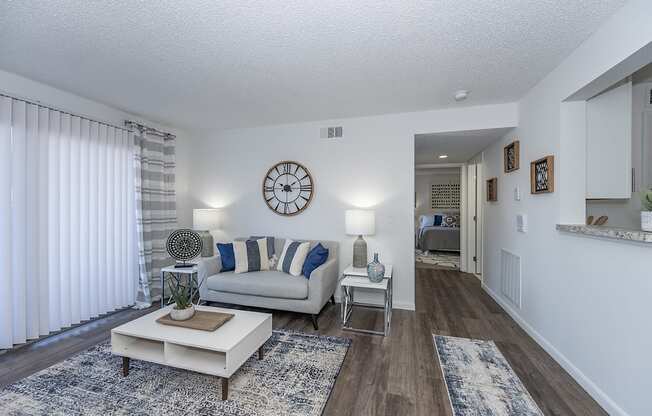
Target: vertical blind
(68, 242)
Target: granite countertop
(607, 232)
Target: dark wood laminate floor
(397, 375)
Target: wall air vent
(330, 132)
(510, 282)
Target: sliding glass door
(68, 242)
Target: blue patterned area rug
(295, 377)
(480, 381)
(442, 259)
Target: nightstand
(353, 278)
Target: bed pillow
(450, 221)
(251, 255)
(437, 220)
(315, 258)
(292, 257)
(427, 221)
(227, 256)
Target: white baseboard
(397, 305)
(594, 391)
(403, 305)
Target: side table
(190, 272)
(353, 278)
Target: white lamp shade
(360, 222)
(205, 219)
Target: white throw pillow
(292, 257)
(250, 255)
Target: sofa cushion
(271, 283)
(316, 257)
(292, 257)
(227, 256)
(270, 245)
(250, 256)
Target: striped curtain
(67, 220)
(156, 214)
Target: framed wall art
(492, 189)
(511, 156)
(445, 196)
(542, 175)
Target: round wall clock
(288, 188)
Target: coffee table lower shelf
(225, 380)
(219, 353)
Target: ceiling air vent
(330, 132)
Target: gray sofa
(273, 289)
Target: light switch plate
(521, 223)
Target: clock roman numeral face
(287, 188)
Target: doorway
(448, 209)
(438, 200)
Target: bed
(432, 237)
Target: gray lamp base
(360, 252)
(207, 243)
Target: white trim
(594, 391)
(404, 306)
(464, 223)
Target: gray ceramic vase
(376, 270)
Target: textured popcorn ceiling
(243, 63)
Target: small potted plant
(183, 308)
(646, 210)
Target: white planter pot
(646, 220)
(182, 314)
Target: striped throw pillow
(270, 244)
(250, 255)
(292, 257)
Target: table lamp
(203, 221)
(360, 222)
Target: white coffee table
(218, 353)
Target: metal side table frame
(193, 281)
(353, 278)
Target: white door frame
(464, 224)
(474, 198)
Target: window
(68, 246)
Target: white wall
(372, 166)
(587, 301)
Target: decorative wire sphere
(184, 244)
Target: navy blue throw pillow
(315, 258)
(227, 256)
(438, 220)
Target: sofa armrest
(323, 282)
(206, 267)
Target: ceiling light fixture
(461, 95)
(443, 156)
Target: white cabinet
(609, 144)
